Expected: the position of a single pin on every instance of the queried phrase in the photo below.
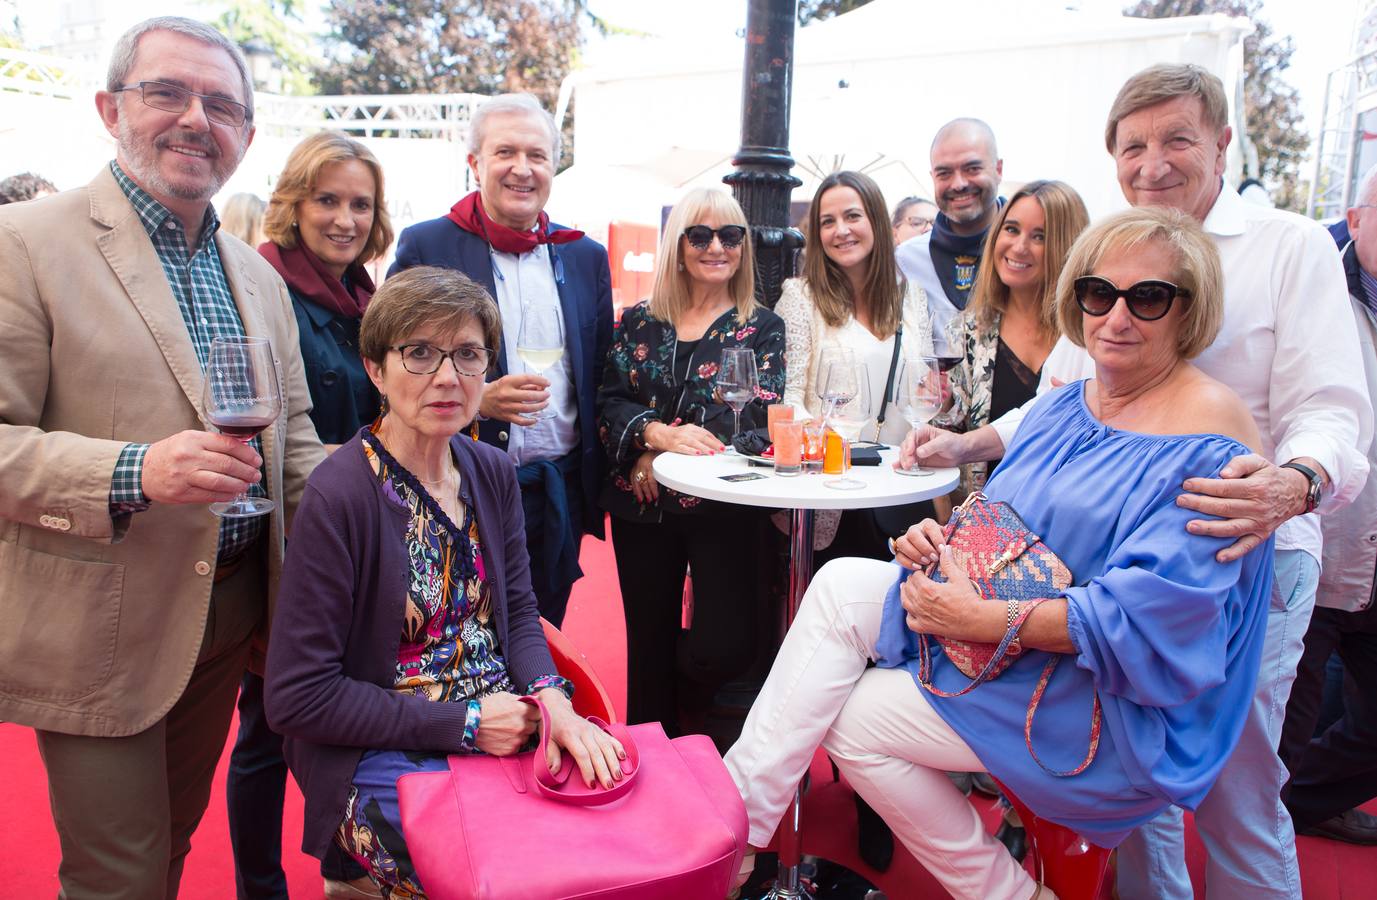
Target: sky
(1322, 29)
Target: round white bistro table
(705, 476)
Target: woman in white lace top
(852, 295)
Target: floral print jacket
(972, 386)
(638, 388)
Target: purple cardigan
(332, 659)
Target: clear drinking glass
(737, 383)
(920, 391)
(540, 342)
(240, 396)
(848, 392)
(828, 357)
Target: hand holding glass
(241, 395)
(920, 393)
(737, 383)
(540, 342)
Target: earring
(681, 267)
(383, 407)
(293, 223)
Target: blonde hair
(1197, 270)
(243, 218)
(299, 177)
(1167, 81)
(670, 296)
(828, 285)
(1064, 217)
(425, 296)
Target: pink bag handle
(558, 786)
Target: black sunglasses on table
(1147, 300)
(700, 236)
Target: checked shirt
(203, 295)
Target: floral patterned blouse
(639, 387)
(973, 385)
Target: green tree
(450, 46)
(817, 10)
(1271, 105)
(278, 24)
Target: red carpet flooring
(1329, 870)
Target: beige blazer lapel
(131, 256)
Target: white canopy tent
(871, 87)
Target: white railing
(25, 72)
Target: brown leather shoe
(1352, 827)
(357, 889)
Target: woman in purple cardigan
(407, 627)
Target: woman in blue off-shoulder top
(1167, 637)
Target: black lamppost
(762, 183)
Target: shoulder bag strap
(889, 381)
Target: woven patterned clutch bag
(1005, 561)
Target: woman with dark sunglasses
(658, 397)
(1010, 325)
(1158, 641)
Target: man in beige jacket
(126, 608)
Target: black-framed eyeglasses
(423, 359)
(1147, 300)
(172, 98)
(700, 236)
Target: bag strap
(1095, 722)
(889, 381)
(556, 785)
(984, 675)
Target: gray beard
(142, 161)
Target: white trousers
(884, 735)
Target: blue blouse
(1170, 638)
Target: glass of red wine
(241, 396)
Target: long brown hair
(1065, 217)
(828, 284)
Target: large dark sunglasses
(700, 236)
(1147, 300)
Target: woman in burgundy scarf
(326, 218)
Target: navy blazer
(584, 282)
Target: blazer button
(502, 435)
(202, 567)
(46, 521)
(329, 377)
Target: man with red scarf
(501, 237)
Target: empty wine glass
(828, 357)
(241, 395)
(848, 391)
(737, 383)
(919, 394)
(540, 342)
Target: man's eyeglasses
(700, 236)
(1147, 300)
(423, 359)
(171, 98)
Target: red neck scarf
(307, 275)
(469, 215)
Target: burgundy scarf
(469, 215)
(307, 275)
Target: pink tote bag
(504, 828)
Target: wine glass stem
(736, 423)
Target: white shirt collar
(1226, 217)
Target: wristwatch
(1312, 494)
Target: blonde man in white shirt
(1288, 348)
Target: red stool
(590, 697)
(1070, 865)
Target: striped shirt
(198, 281)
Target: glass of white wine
(540, 342)
(919, 394)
